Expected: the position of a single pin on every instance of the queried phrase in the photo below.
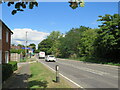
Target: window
(0, 30)
(7, 57)
(0, 56)
(6, 36)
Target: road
(87, 75)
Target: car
(50, 58)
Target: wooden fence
(15, 57)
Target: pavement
(87, 75)
(19, 79)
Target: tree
(71, 44)
(33, 46)
(37, 51)
(86, 47)
(13, 44)
(45, 45)
(17, 51)
(20, 45)
(108, 42)
(49, 45)
(20, 6)
(75, 3)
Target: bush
(7, 69)
(14, 65)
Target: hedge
(14, 65)
(7, 69)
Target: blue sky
(50, 16)
(57, 16)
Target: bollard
(57, 73)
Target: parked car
(50, 58)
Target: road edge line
(63, 76)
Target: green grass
(23, 60)
(94, 60)
(42, 77)
(27, 59)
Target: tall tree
(70, 44)
(45, 46)
(108, 42)
(49, 45)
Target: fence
(15, 57)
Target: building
(5, 42)
(16, 47)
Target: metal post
(57, 73)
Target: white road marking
(64, 76)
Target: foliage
(45, 45)
(72, 44)
(86, 47)
(7, 69)
(17, 51)
(108, 41)
(20, 45)
(74, 4)
(14, 65)
(33, 46)
(21, 6)
(49, 45)
(103, 42)
(37, 51)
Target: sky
(53, 16)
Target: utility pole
(26, 45)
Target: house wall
(5, 45)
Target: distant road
(87, 75)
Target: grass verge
(42, 77)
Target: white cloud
(33, 36)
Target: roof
(6, 26)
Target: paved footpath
(19, 78)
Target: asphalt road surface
(87, 75)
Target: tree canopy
(33, 46)
(102, 42)
(21, 6)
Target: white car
(50, 58)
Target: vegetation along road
(86, 75)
